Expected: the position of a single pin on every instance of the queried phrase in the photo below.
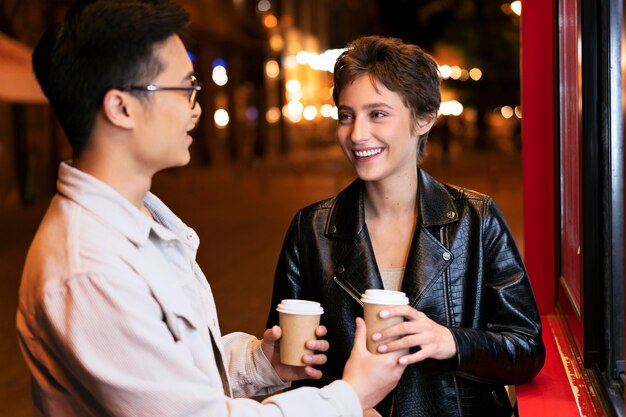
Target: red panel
(570, 152)
(560, 389)
(538, 148)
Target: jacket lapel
(428, 256)
(354, 263)
(425, 265)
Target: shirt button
(446, 256)
(451, 215)
(340, 270)
(333, 229)
(190, 236)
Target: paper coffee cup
(373, 302)
(298, 320)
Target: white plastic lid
(303, 307)
(386, 297)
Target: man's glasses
(192, 91)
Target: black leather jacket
(463, 271)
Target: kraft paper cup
(373, 302)
(298, 320)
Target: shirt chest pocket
(171, 281)
(178, 314)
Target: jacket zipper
(393, 404)
(347, 289)
(444, 241)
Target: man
(115, 317)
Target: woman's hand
(434, 340)
(271, 348)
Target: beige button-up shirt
(115, 318)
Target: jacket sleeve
(288, 285)
(287, 278)
(507, 347)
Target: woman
(472, 323)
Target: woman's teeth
(369, 152)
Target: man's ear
(424, 123)
(118, 108)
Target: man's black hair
(100, 45)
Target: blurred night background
(265, 145)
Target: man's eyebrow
(189, 75)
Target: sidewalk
(241, 214)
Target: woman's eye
(344, 117)
(377, 114)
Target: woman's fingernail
(382, 348)
(383, 314)
(307, 358)
(376, 336)
(403, 361)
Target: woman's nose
(360, 130)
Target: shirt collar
(119, 213)
(169, 226)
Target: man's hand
(271, 348)
(370, 412)
(372, 376)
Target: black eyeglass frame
(192, 89)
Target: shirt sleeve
(334, 400)
(106, 340)
(251, 373)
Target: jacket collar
(347, 217)
(436, 204)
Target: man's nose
(196, 111)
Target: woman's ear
(118, 108)
(424, 123)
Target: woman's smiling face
(376, 130)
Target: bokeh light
(221, 118)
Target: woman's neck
(391, 198)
